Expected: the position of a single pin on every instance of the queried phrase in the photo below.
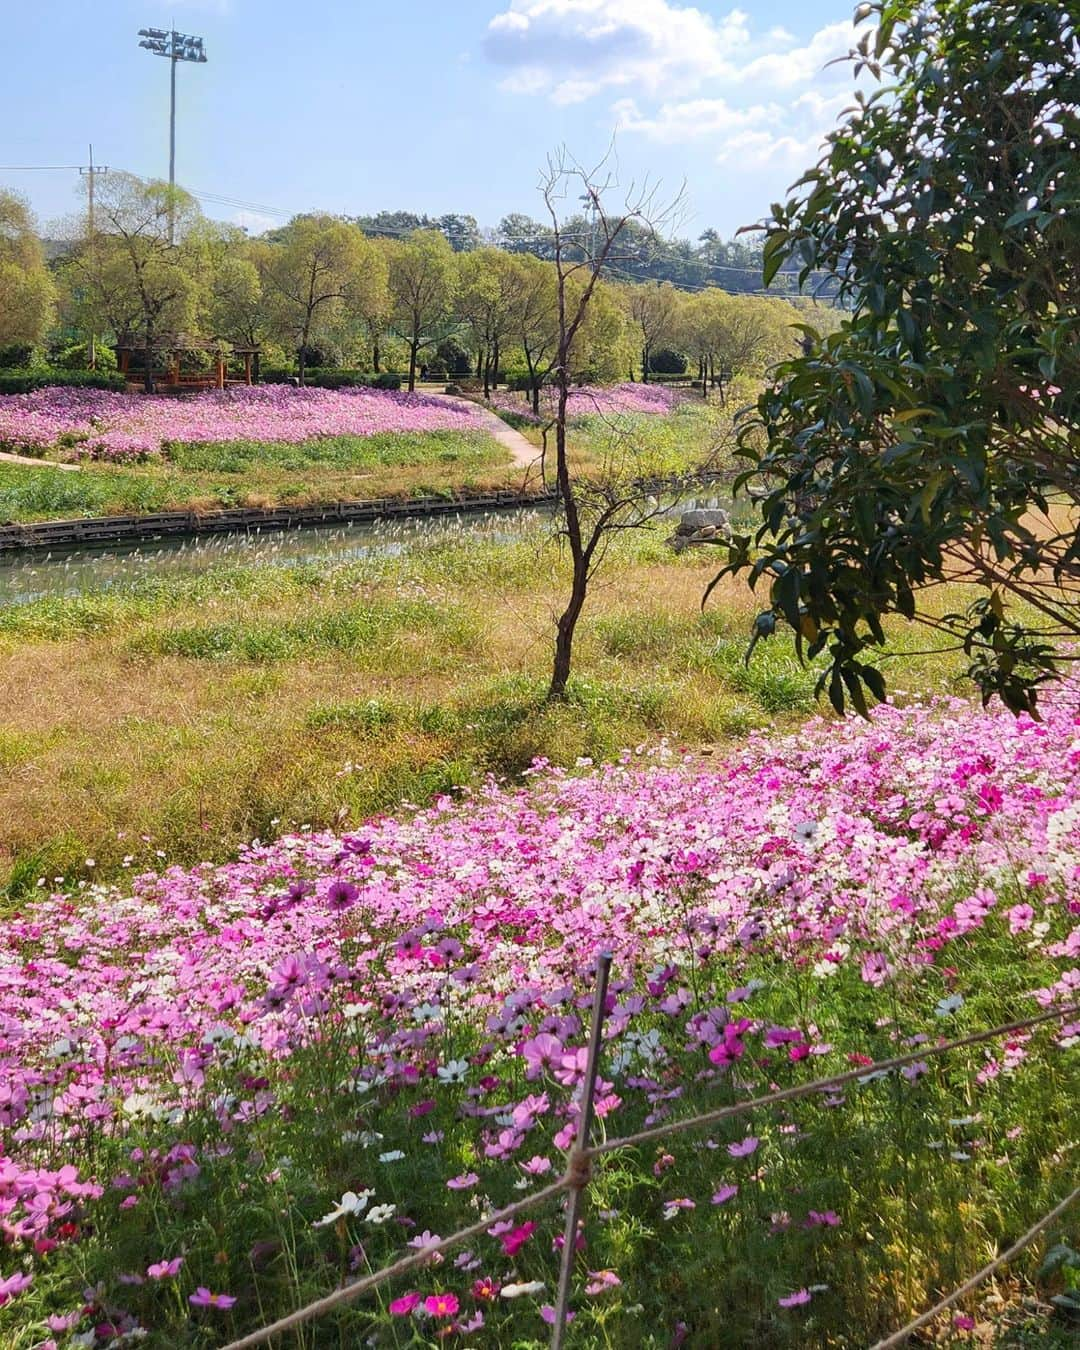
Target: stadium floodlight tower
(176, 47)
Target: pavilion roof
(183, 342)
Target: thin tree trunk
(495, 363)
(148, 358)
(645, 365)
(568, 619)
(375, 354)
(413, 348)
(301, 363)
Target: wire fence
(579, 1173)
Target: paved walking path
(32, 463)
(524, 453)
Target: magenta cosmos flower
(441, 1305)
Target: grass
(185, 715)
(243, 473)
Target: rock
(700, 526)
(702, 518)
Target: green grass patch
(370, 633)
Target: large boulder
(701, 525)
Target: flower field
(224, 1090)
(600, 400)
(100, 424)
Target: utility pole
(90, 173)
(175, 47)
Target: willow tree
(27, 294)
(654, 308)
(935, 438)
(422, 281)
(317, 271)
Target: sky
(432, 106)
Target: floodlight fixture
(177, 47)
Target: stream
(35, 575)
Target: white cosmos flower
(380, 1213)
(453, 1071)
(521, 1290)
(394, 1155)
(947, 1006)
(350, 1203)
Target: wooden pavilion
(217, 363)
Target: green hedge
(323, 378)
(26, 381)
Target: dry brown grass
(111, 748)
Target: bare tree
(596, 509)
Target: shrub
(16, 356)
(25, 382)
(76, 356)
(667, 362)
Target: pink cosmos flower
(744, 1147)
(541, 1053)
(164, 1270)
(724, 1194)
(795, 1300)
(462, 1182)
(536, 1166)
(401, 1307)
(12, 1285)
(203, 1298)
(600, 1281)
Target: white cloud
(573, 49)
(764, 99)
(802, 65)
(760, 149)
(694, 119)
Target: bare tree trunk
(567, 622)
(375, 354)
(645, 364)
(301, 363)
(495, 363)
(414, 347)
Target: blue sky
(353, 105)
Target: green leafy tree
(935, 438)
(422, 281)
(131, 277)
(318, 271)
(27, 293)
(484, 303)
(653, 309)
(534, 318)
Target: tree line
(374, 294)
